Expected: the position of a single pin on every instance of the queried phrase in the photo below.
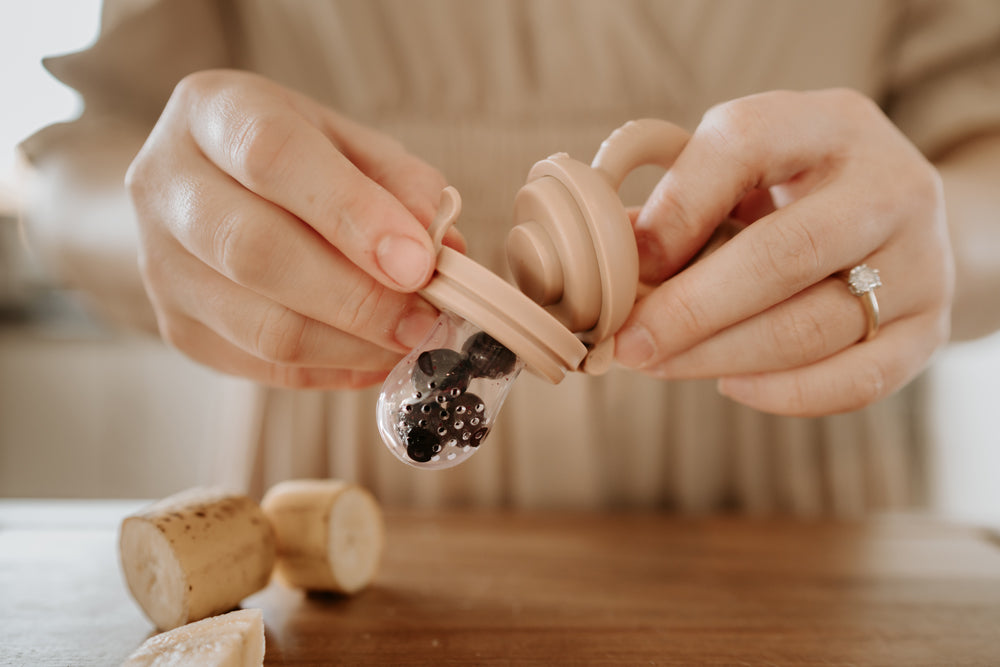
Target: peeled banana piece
(196, 554)
(330, 534)
(235, 639)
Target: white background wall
(31, 99)
(86, 414)
(964, 415)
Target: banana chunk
(235, 639)
(330, 534)
(195, 554)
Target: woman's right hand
(279, 240)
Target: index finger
(746, 144)
(261, 139)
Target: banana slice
(195, 554)
(330, 534)
(235, 639)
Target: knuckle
(153, 270)
(798, 336)
(257, 146)
(357, 199)
(869, 384)
(135, 177)
(146, 264)
(343, 204)
(683, 220)
(941, 291)
(926, 189)
(241, 252)
(686, 318)
(280, 336)
(217, 87)
(360, 308)
(915, 192)
(348, 206)
(789, 253)
(143, 176)
(735, 129)
(196, 84)
(856, 114)
(853, 100)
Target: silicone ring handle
(647, 141)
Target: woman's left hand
(826, 183)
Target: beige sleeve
(144, 48)
(945, 72)
(946, 98)
(76, 213)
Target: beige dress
(482, 89)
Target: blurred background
(87, 411)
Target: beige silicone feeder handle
(572, 249)
(638, 143)
(647, 141)
(652, 142)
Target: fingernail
(634, 346)
(651, 256)
(404, 260)
(413, 329)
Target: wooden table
(548, 588)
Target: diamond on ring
(862, 279)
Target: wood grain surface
(556, 588)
